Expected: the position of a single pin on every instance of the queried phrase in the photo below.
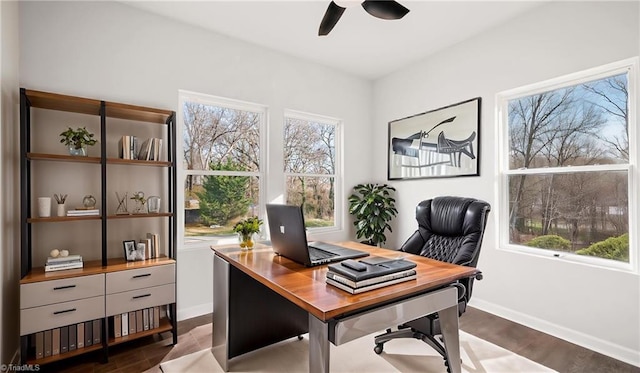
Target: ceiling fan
(387, 9)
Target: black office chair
(450, 229)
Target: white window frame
(339, 194)
(182, 172)
(629, 66)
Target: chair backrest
(450, 229)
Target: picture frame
(130, 251)
(141, 249)
(444, 142)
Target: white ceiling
(359, 44)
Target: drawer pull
(64, 311)
(64, 287)
(141, 296)
(144, 275)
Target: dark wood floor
(542, 348)
(145, 354)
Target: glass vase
(78, 152)
(246, 241)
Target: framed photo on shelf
(444, 142)
(141, 249)
(130, 250)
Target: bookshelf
(82, 295)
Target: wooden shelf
(37, 274)
(57, 219)
(93, 267)
(76, 352)
(133, 216)
(137, 162)
(138, 113)
(119, 264)
(54, 101)
(61, 158)
(165, 326)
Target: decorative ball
(64, 253)
(54, 253)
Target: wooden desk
(261, 298)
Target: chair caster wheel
(378, 349)
(300, 337)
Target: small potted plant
(246, 228)
(77, 140)
(373, 207)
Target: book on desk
(370, 273)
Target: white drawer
(56, 291)
(60, 314)
(131, 279)
(140, 298)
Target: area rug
(402, 355)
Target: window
(567, 166)
(311, 167)
(222, 157)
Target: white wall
(118, 53)
(594, 307)
(9, 191)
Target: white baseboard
(613, 350)
(201, 309)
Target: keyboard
(319, 254)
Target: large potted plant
(77, 140)
(373, 207)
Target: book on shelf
(125, 324)
(150, 150)
(152, 240)
(362, 289)
(64, 259)
(371, 267)
(80, 339)
(88, 333)
(78, 212)
(63, 266)
(128, 147)
(55, 341)
(73, 336)
(374, 280)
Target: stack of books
(371, 273)
(128, 147)
(151, 150)
(63, 262)
(83, 212)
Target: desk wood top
(306, 287)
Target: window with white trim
(311, 167)
(567, 166)
(222, 156)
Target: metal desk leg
(449, 326)
(319, 347)
(220, 335)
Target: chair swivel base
(381, 339)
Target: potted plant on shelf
(246, 228)
(77, 140)
(373, 207)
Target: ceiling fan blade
(331, 17)
(385, 9)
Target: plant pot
(78, 152)
(246, 241)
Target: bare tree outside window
(568, 169)
(222, 166)
(310, 168)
